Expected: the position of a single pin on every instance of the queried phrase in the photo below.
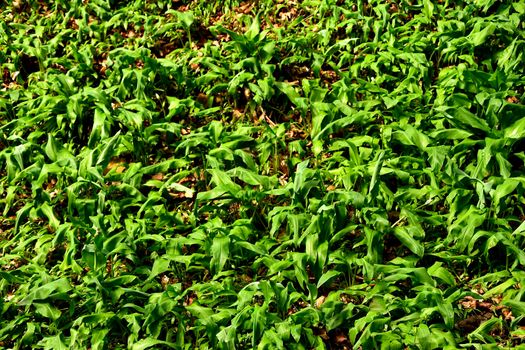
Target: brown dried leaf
(485, 305)
(114, 163)
(507, 314)
(341, 338)
(469, 303)
(320, 301)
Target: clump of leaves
(268, 174)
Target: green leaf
(428, 8)
(327, 276)
(186, 17)
(53, 343)
(293, 95)
(43, 292)
(467, 118)
(108, 151)
(47, 310)
(220, 252)
(409, 241)
(517, 307)
(160, 265)
(374, 181)
(478, 36)
(150, 342)
(516, 130)
(258, 320)
(436, 270)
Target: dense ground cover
(271, 174)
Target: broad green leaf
(43, 292)
(108, 151)
(479, 36)
(258, 319)
(53, 342)
(160, 265)
(149, 342)
(220, 252)
(436, 270)
(517, 307)
(516, 130)
(327, 276)
(408, 241)
(47, 310)
(467, 118)
(428, 8)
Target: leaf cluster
(266, 174)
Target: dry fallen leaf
(341, 338)
(320, 301)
